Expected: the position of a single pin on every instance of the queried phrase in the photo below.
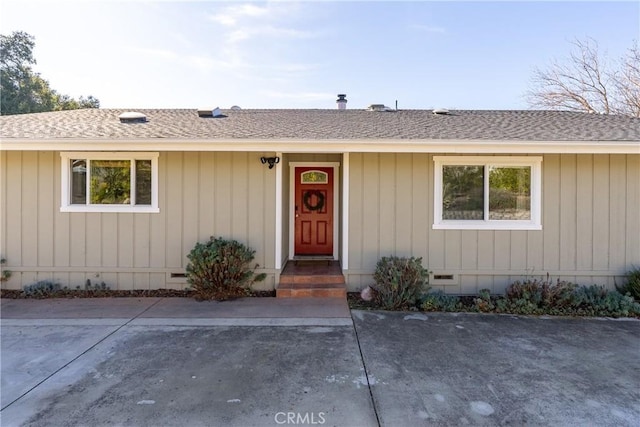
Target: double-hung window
(490, 193)
(109, 182)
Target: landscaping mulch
(106, 293)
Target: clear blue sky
(203, 54)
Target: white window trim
(535, 223)
(65, 202)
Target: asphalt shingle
(176, 124)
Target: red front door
(313, 210)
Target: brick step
(311, 278)
(305, 290)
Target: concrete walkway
(269, 362)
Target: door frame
(336, 203)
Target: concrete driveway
(476, 369)
(264, 362)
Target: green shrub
(595, 300)
(219, 269)
(5, 274)
(483, 303)
(41, 289)
(632, 287)
(399, 282)
(564, 298)
(88, 286)
(537, 297)
(439, 301)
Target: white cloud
(226, 20)
(247, 33)
(250, 10)
(252, 41)
(231, 15)
(249, 21)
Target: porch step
(312, 278)
(306, 290)
(301, 279)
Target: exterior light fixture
(271, 160)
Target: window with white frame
(490, 193)
(109, 182)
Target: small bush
(632, 287)
(439, 301)
(41, 289)
(483, 303)
(595, 300)
(537, 297)
(564, 298)
(4, 274)
(219, 269)
(399, 282)
(88, 286)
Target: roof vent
(235, 108)
(378, 107)
(342, 101)
(132, 117)
(216, 113)
(441, 111)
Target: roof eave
(326, 145)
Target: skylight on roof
(216, 112)
(132, 117)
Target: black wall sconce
(271, 160)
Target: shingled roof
(177, 124)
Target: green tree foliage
(21, 89)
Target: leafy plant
(5, 274)
(41, 289)
(439, 301)
(88, 286)
(537, 297)
(219, 269)
(399, 282)
(564, 298)
(596, 300)
(484, 303)
(632, 286)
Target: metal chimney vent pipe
(342, 101)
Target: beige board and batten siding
(200, 194)
(590, 220)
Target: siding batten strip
(345, 211)
(278, 224)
